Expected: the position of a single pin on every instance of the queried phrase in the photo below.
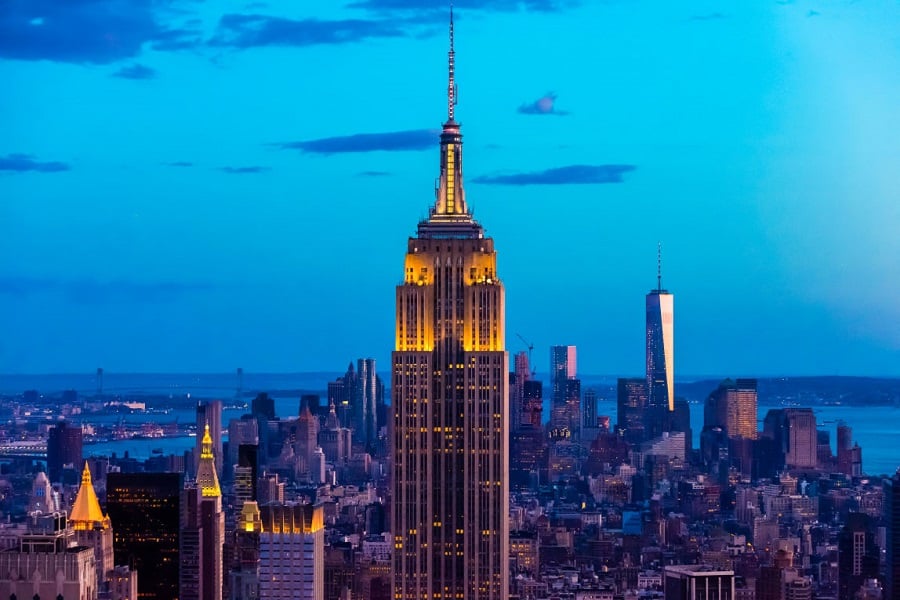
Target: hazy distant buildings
(146, 510)
(64, 446)
(368, 393)
(794, 433)
(450, 492)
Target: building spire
(451, 80)
(659, 266)
(207, 479)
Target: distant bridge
(34, 450)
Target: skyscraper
(450, 489)
(209, 413)
(660, 354)
(145, 508)
(858, 555)
(365, 417)
(563, 366)
(64, 444)
(291, 552)
(733, 406)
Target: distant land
(173, 388)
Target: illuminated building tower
(146, 509)
(63, 450)
(209, 413)
(244, 574)
(660, 356)
(92, 528)
(291, 552)
(450, 490)
(212, 519)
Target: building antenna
(658, 266)
(451, 82)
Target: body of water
(875, 428)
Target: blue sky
(197, 186)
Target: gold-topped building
(450, 492)
(92, 528)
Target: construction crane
(530, 347)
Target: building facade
(660, 306)
(450, 490)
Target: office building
(365, 413)
(520, 375)
(733, 407)
(291, 552)
(563, 366)
(47, 562)
(858, 555)
(64, 445)
(209, 413)
(698, 582)
(660, 355)
(43, 498)
(631, 404)
(450, 489)
(145, 508)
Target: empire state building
(449, 394)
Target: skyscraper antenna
(451, 83)
(659, 266)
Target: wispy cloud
(135, 71)
(373, 174)
(573, 174)
(244, 170)
(243, 31)
(392, 141)
(485, 5)
(21, 163)
(709, 17)
(179, 163)
(85, 31)
(95, 291)
(545, 105)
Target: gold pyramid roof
(86, 513)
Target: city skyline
(169, 219)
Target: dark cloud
(135, 71)
(179, 163)
(91, 290)
(83, 31)
(487, 5)
(574, 174)
(393, 141)
(709, 17)
(813, 13)
(545, 105)
(244, 170)
(373, 174)
(25, 162)
(250, 31)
